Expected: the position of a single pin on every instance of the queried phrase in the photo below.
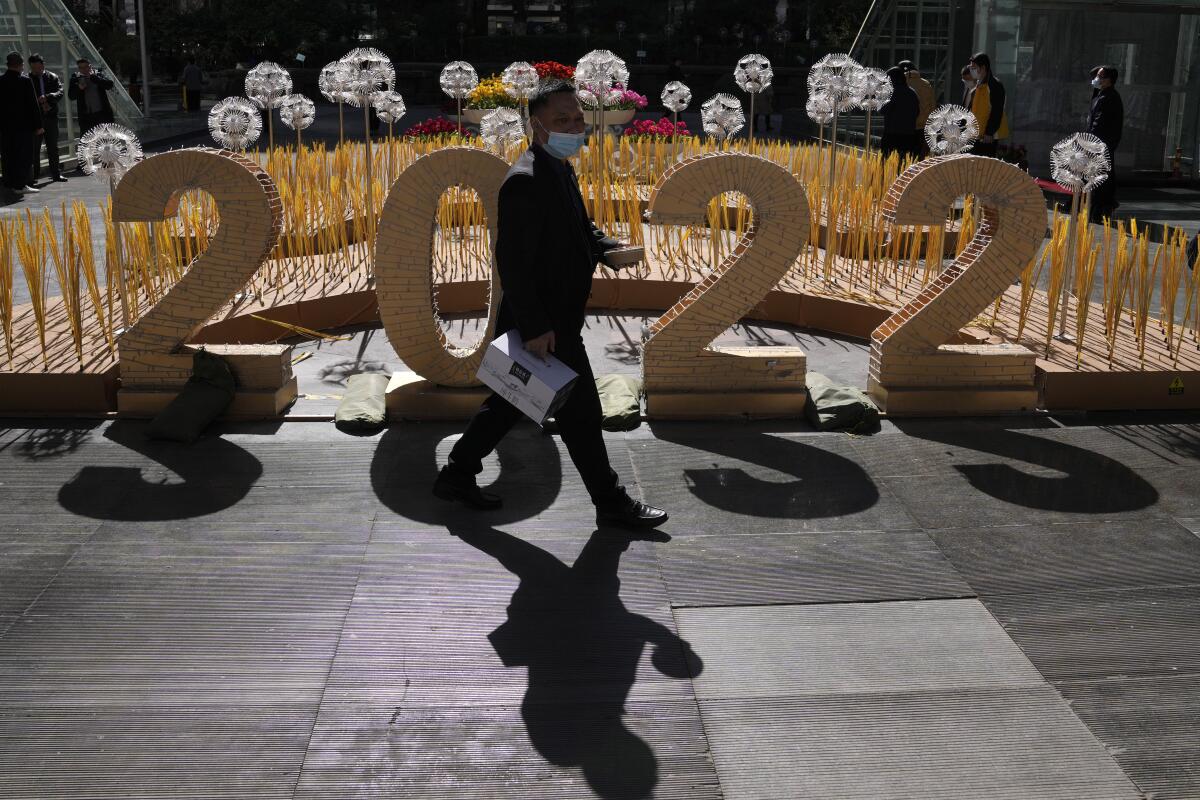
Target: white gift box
(537, 388)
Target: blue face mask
(562, 145)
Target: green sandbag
(205, 396)
(620, 400)
(831, 407)
(364, 407)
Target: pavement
(956, 608)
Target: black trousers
(578, 420)
(1104, 199)
(50, 140)
(89, 121)
(16, 157)
(193, 99)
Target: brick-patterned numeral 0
(403, 248)
(909, 351)
(678, 358)
(151, 352)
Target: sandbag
(205, 396)
(364, 407)
(831, 407)
(620, 401)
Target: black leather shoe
(468, 493)
(630, 514)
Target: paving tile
(31, 557)
(506, 619)
(762, 484)
(755, 569)
(1176, 443)
(851, 648)
(1149, 727)
(1083, 555)
(145, 624)
(153, 752)
(1105, 634)
(985, 744)
(576, 750)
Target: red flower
(553, 69)
(434, 126)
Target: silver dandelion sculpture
(389, 106)
(297, 111)
(372, 73)
(267, 84)
(334, 80)
(834, 75)
(501, 127)
(819, 107)
(234, 123)
(1080, 162)
(458, 79)
(520, 80)
(600, 77)
(676, 96)
(753, 73)
(108, 151)
(722, 116)
(872, 89)
(950, 129)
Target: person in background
(192, 81)
(20, 122)
(49, 91)
(900, 117)
(986, 102)
(547, 248)
(926, 98)
(89, 90)
(675, 71)
(1106, 119)
(763, 107)
(968, 86)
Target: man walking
(1106, 120)
(20, 122)
(49, 91)
(89, 90)
(546, 250)
(192, 81)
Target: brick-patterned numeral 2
(151, 351)
(909, 354)
(678, 359)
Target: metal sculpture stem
(867, 139)
(341, 125)
(115, 255)
(675, 135)
(270, 131)
(370, 173)
(1069, 267)
(752, 121)
(829, 218)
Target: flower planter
(474, 116)
(611, 116)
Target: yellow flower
(490, 93)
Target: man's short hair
(1105, 71)
(966, 71)
(907, 66)
(982, 60)
(35, 58)
(79, 61)
(546, 88)
(12, 59)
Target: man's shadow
(582, 647)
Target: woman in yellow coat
(987, 104)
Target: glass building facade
(1042, 51)
(47, 27)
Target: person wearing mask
(900, 117)
(546, 251)
(1106, 119)
(986, 102)
(89, 89)
(968, 83)
(20, 123)
(49, 91)
(192, 81)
